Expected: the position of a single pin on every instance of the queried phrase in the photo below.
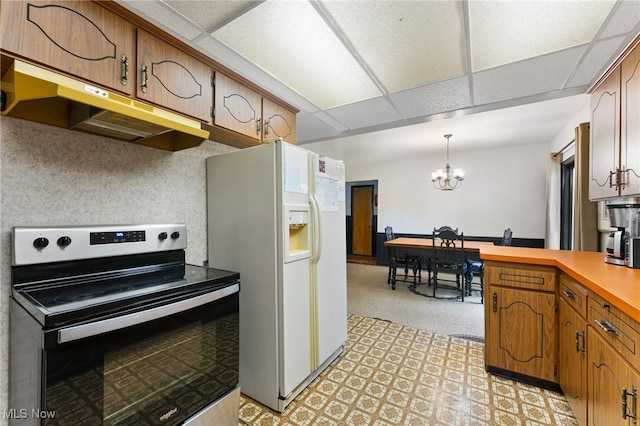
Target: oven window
(157, 373)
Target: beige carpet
(391, 374)
(369, 295)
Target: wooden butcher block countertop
(619, 285)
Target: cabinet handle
(578, 348)
(611, 180)
(634, 404)
(569, 294)
(604, 305)
(143, 80)
(258, 126)
(606, 326)
(124, 70)
(266, 127)
(495, 302)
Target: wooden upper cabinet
(630, 123)
(171, 78)
(237, 107)
(279, 122)
(77, 37)
(615, 132)
(605, 138)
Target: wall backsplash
(52, 176)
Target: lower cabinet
(521, 334)
(572, 358)
(613, 384)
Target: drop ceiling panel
(434, 98)
(503, 32)
(371, 112)
(596, 61)
(525, 78)
(209, 14)
(163, 16)
(405, 44)
(625, 17)
(290, 41)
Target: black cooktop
(91, 294)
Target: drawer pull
(604, 305)
(606, 326)
(634, 404)
(569, 294)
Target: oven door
(153, 367)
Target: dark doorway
(566, 204)
(362, 217)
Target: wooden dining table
(424, 247)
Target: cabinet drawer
(574, 293)
(617, 328)
(520, 276)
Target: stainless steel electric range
(110, 326)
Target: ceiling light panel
(503, 32)
(322, 70)
(404, 43)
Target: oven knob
(40, 242)
(162, 236)
(175, 235)
(64, 241)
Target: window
(566, 204)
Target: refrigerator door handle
(317, 228)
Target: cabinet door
(608, 376)
(521, 332)
(630, 122)
(605, 138)
(237, 107)
(572, 361)
(279, 122)
(170, 78)
(77, 37)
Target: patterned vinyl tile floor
(395, 375)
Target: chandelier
(443, 179)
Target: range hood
(37, 94)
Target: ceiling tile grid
(355, 66)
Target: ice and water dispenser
(297, 238)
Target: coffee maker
(623, 247)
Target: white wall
(503, 188)
(52, 176)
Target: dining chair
(477, 266)
(449, 257)
(407, 260)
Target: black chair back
(448, 249)
(389, 233)
(506, 237)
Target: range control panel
(32, 245)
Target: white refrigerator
(276, 215)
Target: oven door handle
(78, 332)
